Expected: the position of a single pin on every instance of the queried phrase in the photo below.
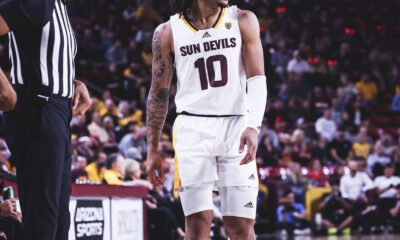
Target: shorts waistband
(206, 115)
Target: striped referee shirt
(42, 46)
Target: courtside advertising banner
(127, 218)
(90, 219)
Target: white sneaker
(284, 232)
(302, 232)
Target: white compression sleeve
(256, 101)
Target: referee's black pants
(39, 138)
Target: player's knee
(199, 224)
(239, 228)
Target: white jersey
(209, 67)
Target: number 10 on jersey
(202, 64)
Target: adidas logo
(205, 35)
(249, 205)
(252, 177)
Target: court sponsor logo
(89, 220)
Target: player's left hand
(250, 139)
(81, 99)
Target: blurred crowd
(334, 92)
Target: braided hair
(179, 6)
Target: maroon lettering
(233, 42)
(183, 51)
(206, 46)
(196, 48)
(213, 45)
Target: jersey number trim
(201, 64)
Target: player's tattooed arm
(158, 99)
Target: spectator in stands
(335, 210)
(325, 126)
(4, 155)
(395, 106)
(115, 172)
(133, 175)
(339, 149)
(358, 114)
(347, 87)
(129, 13)
(146, 12)
(377, 160)
(96, 128)
(336, 111)
(318, 149)
(291, 215)
(316, 176)
(367, 88)
(134, 139)
(266, 130)
(390, 147)
(78, 170)
(125, 116)
(361, 147)
(296, 180)
(79, 126)
(132, 170)
(109, 109)
(116, 54)
(96, 169)
(319, 102)
(297, 66)
(386, 185)
(395, 212)
(300, 148)
(108, 124)
(280, 58)
(86, 148)
(354, 184)
(267, 154)
(10, 220)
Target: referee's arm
(8, 97)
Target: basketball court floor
(355, 237)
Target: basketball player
(217, 53)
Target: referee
(42, 49)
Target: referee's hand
(81, 99)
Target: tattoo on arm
(157, 103)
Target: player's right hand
(154, 168)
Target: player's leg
(239, 228)
(239, 211)
(238, 184)
(197, 205)
(198, 225)
(195, 172)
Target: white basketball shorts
(207, 156)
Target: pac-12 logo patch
(228, 25)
